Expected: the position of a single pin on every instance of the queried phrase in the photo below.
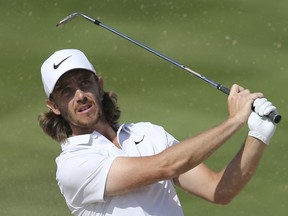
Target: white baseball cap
(61, 62)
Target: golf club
(273, 116)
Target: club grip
(223, 89)
(273, 116)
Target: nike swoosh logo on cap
(55, 66)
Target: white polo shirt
(83, 166)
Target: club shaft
(273, 116)
(190, 71)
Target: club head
(67, 19)
(73, 16)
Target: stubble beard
(86, 125)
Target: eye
(66, 92)
(86, 83)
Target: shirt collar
(87, 139)
(84, 139)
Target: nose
(80, 96)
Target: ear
(53, 107)
(101, 86)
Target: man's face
(77, 98)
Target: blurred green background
(243, 41)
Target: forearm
(191, 152)
(239, 171)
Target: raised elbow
(223, 200)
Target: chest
(143, 145)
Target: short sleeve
(82, 176)
(170, 140)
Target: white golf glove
(259, 125)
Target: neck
(109, 133)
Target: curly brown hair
(58, 128)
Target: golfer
(106, 168)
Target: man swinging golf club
(131, 169)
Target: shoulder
(151, 130)
(83, 170)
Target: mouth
(84, 108)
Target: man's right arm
(129, 173)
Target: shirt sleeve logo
(137, 142)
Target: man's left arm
(221, 187)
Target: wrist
(236, 121)
(259, 136)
